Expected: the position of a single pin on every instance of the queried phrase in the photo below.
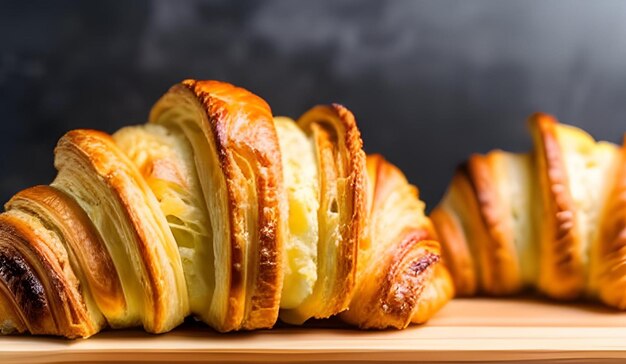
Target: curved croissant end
(341, 166)
(237, 157)
(40, 292)
(87, 254)
(125, 212)
(399, 279)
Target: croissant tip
(541, 118)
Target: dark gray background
(429, 81)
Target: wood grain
(466, 330)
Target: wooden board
(465, 330)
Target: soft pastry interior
(301, 184)
(515, 173)
(218, 210)
(165, 159)
(341, 213)
(514, 221)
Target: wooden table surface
(465, 330)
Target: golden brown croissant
(216, 210)
(552, 219)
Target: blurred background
(429, 81)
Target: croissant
(553, 219)
(218, 210)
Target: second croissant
(553, 219)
